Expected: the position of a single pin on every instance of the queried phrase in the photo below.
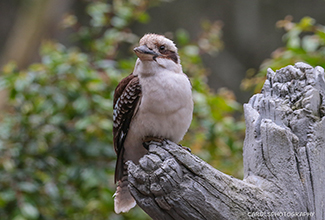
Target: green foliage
(215, 135)
(305, 42)
(56, 154)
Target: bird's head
(158, 49)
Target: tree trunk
(35, 21)
(284, 161)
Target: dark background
(249, 32)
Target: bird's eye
(162, 47)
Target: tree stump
(284, 161)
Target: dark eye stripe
(171, 55)
(167, 53)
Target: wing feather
(127, 98)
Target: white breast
(165, 111)
(167, 106)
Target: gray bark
(284, 161)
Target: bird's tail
(123, 200)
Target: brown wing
(126, 100)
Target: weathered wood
(284, 161)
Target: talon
(163, 141)
(185, 148)
(156, 139)
(146, 145)
(146, 141)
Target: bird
(154, 102)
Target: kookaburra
(155, 101)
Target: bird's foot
(146, 141)
(185, 148)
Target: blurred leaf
(97, 11)
(29, 211)
(28, 187)
(183, 37)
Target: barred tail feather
(123, 200)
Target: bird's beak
(145, 54)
